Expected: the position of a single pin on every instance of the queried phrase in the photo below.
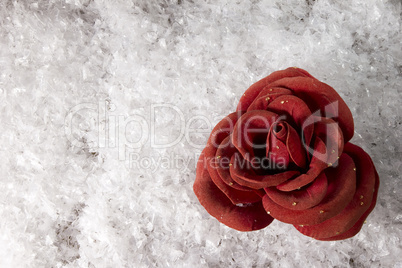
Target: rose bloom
(285, 154)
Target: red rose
(285, 154)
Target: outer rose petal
(247, 218)
(223, 164)
(221, 131)
(320, 96)
(266, 96)
(358, 225)
(233, 194)
(341, 188)
(349, 221)
(255, 89)
(302, 199)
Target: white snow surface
(106, 105)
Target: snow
(105, 107)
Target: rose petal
(341, 188)
(223, 158)
(302, 199)
(244, 175)
(288, 136)
(296, 109)
(358, 225)
(235, 195)
(283, 143)
(295, 148)
(266, 96)
(221, 131)
(252, 125)
(248, 218)
(344, 225)
(276, 148)
(328, 146)
(255, 89)
(328, 131)
(315, 168)
(320, 96)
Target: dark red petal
(329, 132)
(221, 131)
(276, 148)
(236, 196)
(223, 158)
(298, 110)
(283, 143)
(244, 175)
(266, 96)
(250, 125)
(295, 147)
(320, 96)
(358, 225)
(349, 221)
(247, 218)
(280, 130)
(341, 188)
(328, 146)
(255, 89)
(302, 199)
(315, 168)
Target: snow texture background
(90, 91)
